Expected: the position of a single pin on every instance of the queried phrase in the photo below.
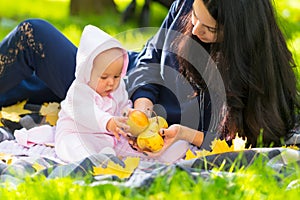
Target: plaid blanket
(23, 163)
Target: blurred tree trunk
(87, 7)
(166, 3)
(144, 18)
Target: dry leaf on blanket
(50, 110)
(294, 146)
(13, 112)
(190, 155)
(219, 146)
(0, 118)
(6, 158)
(38, 167)
(115, 169)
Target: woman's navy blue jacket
(153, 73)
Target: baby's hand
(117, 126)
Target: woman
(254, 89)
(251, 55)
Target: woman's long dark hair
(256, 66)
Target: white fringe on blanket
(12, 147)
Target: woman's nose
(198, 29)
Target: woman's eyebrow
(194, 13)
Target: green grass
(258, 181)
(289, 13)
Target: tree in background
(89, 7)
(144, 19)
(96, 7)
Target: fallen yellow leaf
(239, 143)
(13, 112)
(293, 146)
(6, 158)
(38, 167)
(0, 120)
(131, 163)
(50, 111)
(189, 155)
(219, 146)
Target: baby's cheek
(99, 89)
(117, 84)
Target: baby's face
(106, 72)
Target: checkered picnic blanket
(25, 162)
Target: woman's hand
(170, 136)
(178, 132)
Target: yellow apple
(138, 122)
(150, 139)
(162, 123)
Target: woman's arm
(178, 132)
(193, 136)
(144, 78)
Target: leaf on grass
(115, 169)
(219, 146)
(50, 111)
(13, 112)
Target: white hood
(94, 41)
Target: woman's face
(204, 25)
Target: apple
(150, 139)
(137, 121)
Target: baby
(91, 118)
(92, 109)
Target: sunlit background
(58, 13)
(258, 181)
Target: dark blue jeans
(37, 63)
